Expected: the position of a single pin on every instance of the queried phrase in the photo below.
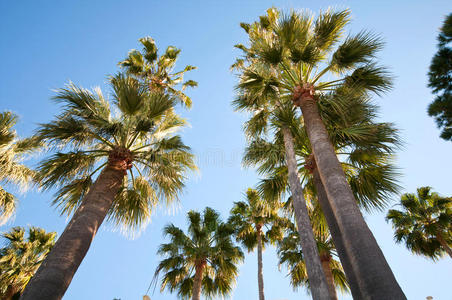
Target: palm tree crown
(20, 258)
(440, 83)
(139, 133)
(12, 152)
(157, 70)
(203, 259)
(366, 149)
(424, 223)
(253, 217)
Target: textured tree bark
(443, 243)
(10, 292)
(197, 281)
(326, 259)
(336, 235)
(317, 280)
(56, 272)
(374, 275)
(260, 273)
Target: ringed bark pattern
(374, 275)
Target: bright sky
(44, 44)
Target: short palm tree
(305, 63)
(202, 261)
(256, 224)
(21, 257)
(157, 70)
(12, 151)
(139, 160)
(424, 223)
(291, 255)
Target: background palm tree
(157, 71)
(256, 223)
(424, 223)
(291, 255)
(302, 55)
(140, 160)
(21, 257)
(440, 83)
(365, 147)
(202, 261)
(12, 151)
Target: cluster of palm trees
(312, 136)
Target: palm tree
(157, 70)
(440, 83)
(140, 162)
(302, 56)
(365, 148)
(256, 224)
(424, 223)
(291, 255)
(12, 152)
(258, 96)
(20, 258)
(202, 261)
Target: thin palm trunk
(326, 260)
(374, 275)
(197, 281)
(56, 272)
(317, 280)
(260, 273)
(335, 234)
(443, 243)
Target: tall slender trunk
(197, 282)
(317, 280)
(443, 243)
(326, 260)
(374, 275)
(336, 234)
(260, 273)
(55, 274)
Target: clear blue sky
(46, 43)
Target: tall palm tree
(424, 223)
(365, 147)
(21, 257)
(12, 151)
(256, 224)
(202, 261)
(291, 255)
(157, 70)
(140, 163)
(306, 64)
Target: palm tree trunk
(326, 259)
(197, 282)
(374, 275)
(260, 273)
(317, 280)
(443, 243)
(9, 293)
(336, 235)
(55, 274)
